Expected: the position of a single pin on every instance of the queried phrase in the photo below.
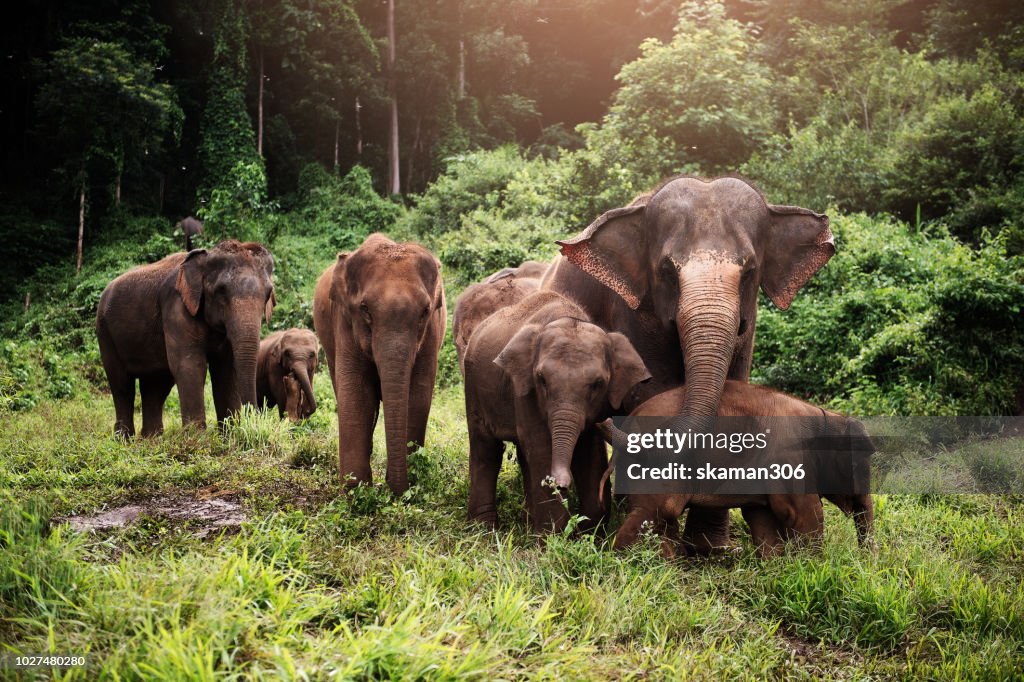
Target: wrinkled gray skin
(380, 314)
(678, 272)
(167, 322)
(539, 375)
(290, 353)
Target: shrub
(902, 322)
(346, 209)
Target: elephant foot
(488, 518)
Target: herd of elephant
(662, 290)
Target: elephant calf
(380, 315)
(167, 322)
(538, 374)
(480, 301)
(284, 373)
(773, 519)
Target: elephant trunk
(708, 323)
(565, 424)
(301, 372)
(244, 335)
(395, 354)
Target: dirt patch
(210, 509)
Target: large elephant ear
(516, 358)
(189, 283)
(612, 250)
(628, 369)
(799, 244)
(338, 276)
(269, 307)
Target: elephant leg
(706, 530)
(421, 395)
(547, 511)
(123, 392)
(154, 390)
(190, 377)
(226, 400)
(358, 397)
(639, 519)
(484, 464)
(589, 462)
(765, 531)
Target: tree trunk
(462, 68)
(81, 226)
(337, 130)
(117, 190)
(394, 163)
(160, 194)
(359, 128)
(259, 109)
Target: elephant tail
(613, 436)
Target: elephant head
(388, 293)
(694, 253)
(230, 288)
(579, 374)
(296, 352)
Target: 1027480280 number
(41, 661)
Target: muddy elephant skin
(380, 315)
(167, 322)
(773, 519)
(538, 374)
(284, 373)
(678, 272)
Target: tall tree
(103, 105)
(227, 135)
(394, 162)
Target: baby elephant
(284, 373)
(773, 519)
(538, 374)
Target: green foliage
(227, 148)
(894, 131)
(345, 209)
(235, 204)
(699, 103)
(901, 322)
(474, 180)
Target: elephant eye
(667, 271)
(541, 380)
(426, 311)
(597, 385)
(365, 310)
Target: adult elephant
(678, 272)
(167, 322)
(380, 315)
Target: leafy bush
(347, 209)
(902, 322)
(471, 181)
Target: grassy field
(316, 585)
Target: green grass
(318, 585)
